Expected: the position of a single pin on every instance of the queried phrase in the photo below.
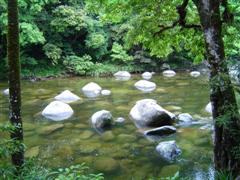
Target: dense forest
(190, 49)
(77, 37)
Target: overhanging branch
(181, 21)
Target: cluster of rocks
(59, 109)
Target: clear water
(123, 152)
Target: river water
(122, 152)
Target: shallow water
(122, 152)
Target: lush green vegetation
(91, 38)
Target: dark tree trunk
(14, 81)
(225, 110)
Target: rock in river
(145, 86)
(122, 75)
(147, 113)
(106, 92)
(185, 118)
(106, 164)
(6, 92)
(67, 97)
(57, 111)
(91, 90)
(50, 129)
(169, 73)
(101, 120)
(195, 73)
(147, 75)
(208, 108)
(168, 150)
(161, 131)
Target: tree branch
(181, 21)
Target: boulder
(57, 111)
(106, 92)
(145, 86)
(122, 75)
(6, 92)
(195, 73)
(147, 113)
(161, 131)
(185, 118)
(101, 120)
(168, 150)
(147, 75)
(169, 73)
(91, 90)
(208, 108)
(67, 97)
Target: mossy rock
(32, 152)
(50, 129)
(106, 164)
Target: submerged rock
(147, 113)
(91, 90)
(6, 92)
(195, 73)
(207, 127)
(122, 75)
(185, 118)
(145, 86)
(101, 120)
(32, 152)
(169, 73)
(106, 92)
(147, 75)
(57, 111)
(208, 108)
(106, 164)
(161, 131)
(67, 97)
(50, 129)
(168, 150)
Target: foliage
(52, 52)
(78, 65)
(76, 172)
(119, 55)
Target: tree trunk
(14, 82)
(224, 106)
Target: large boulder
(145, 86)
(147, 75)
(195, 73)
(208, 108)
(6, 92)
(122, 75)
(168, 150)
(57, 111)
(169, 73)
(102, 120)
(161, 131)
(147, 113)
(67, 97)
(91, 90)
